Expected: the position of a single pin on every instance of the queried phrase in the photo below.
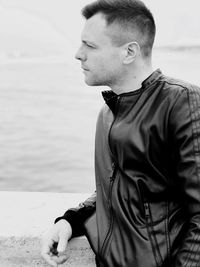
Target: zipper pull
(146, 209)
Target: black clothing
(147, 164)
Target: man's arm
(77, 216)
(185, 126)
(54, 242)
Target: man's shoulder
(180, 92)
(179, 85)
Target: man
(146, 209)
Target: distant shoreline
(20, 58)
(178, 47)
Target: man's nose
(80, 55)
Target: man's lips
(85, 68)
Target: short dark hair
(131, 15)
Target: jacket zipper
(112, 178)
(117, 105)
(109, 232)
(152, 237)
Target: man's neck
(132, 81)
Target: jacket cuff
(76, 218)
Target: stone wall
(25, 217)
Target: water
(48, 117)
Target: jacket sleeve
(185, 122)
(77, 216)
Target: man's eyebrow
(84, 41)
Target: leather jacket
(147, 166)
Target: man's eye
(87, 45)
(90, 46)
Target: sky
(53, 27)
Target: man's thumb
(62, 244)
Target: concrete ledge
(25, 217)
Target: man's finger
(50, 260)
(60, 259)
(47, 246)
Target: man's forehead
(95, 23)
(94, 27)
(97, 30)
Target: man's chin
(92, 83)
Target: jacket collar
(152, 78)
(110, 97)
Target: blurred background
(47, 113)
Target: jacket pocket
(152, 236)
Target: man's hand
(54, 243)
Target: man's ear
(131, 50)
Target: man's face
(100, 58)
